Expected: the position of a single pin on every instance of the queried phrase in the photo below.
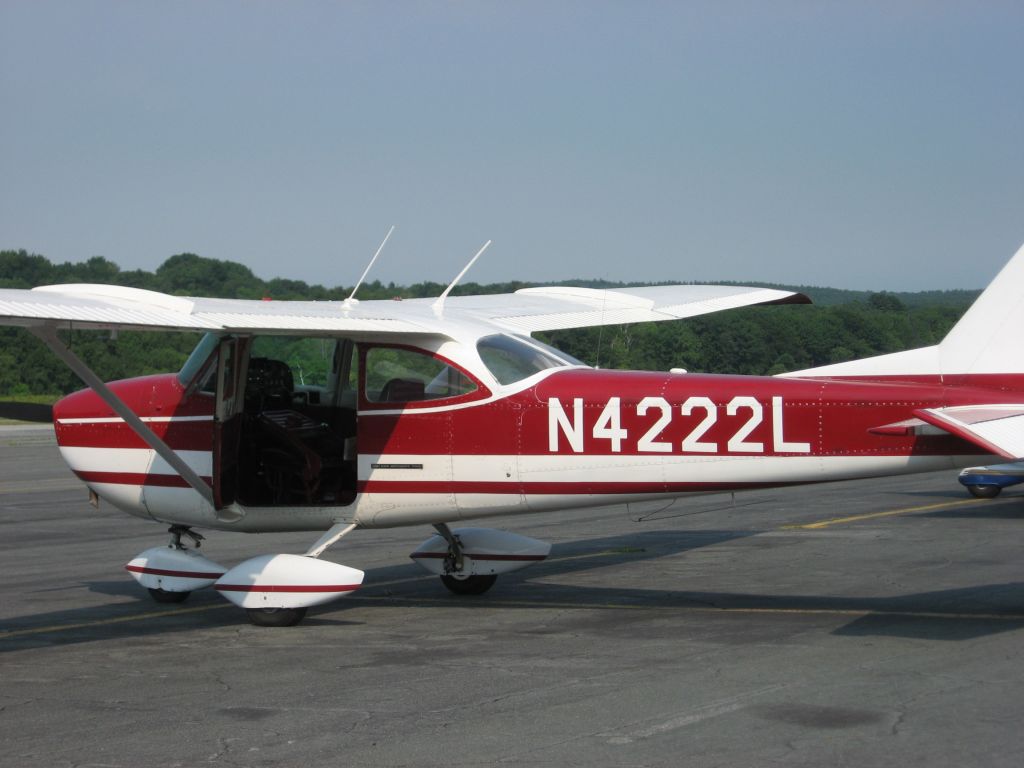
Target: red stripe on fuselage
(182, 574)
(285, 587)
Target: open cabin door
(227, 422)
(285, 422)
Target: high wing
(118, 307)
(548, 309)
(526, 311)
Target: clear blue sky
(851, 144)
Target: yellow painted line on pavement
(30, 486)
(412, 601)
(887, 513)
(181, 611)
(107, 622)
(422, 601)
(602, 553)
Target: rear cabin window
(398, 375)
(510, 360)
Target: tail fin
(989, 338)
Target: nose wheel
(455, 577)
(172, 572)
(275, 617)
(164, 596)
(469, 585)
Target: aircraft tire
(275, 617)
(984, 491)
(472, 585)
(163, 596)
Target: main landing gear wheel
(163, 596)
(984, 491)
(276, 617)
(470, 585)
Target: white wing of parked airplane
(548, 309)
(526, 311)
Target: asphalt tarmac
(871, 623)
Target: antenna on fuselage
(352, 296)
(439, 304)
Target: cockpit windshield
(199, 356)
(511, 359)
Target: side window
(511, 360)
(294, 370)
(396, 375)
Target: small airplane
(332, 417)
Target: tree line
(842, 325)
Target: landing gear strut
(177, 531)
(455, 577)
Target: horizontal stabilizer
(908, 428)
(998, 429)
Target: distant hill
(187, 274)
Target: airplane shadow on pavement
(948, 615)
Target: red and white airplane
(434, 412)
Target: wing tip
(794, 297)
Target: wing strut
(49, 337)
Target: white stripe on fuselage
(132, 460)
(560, 468)
(579, 468)
(147, 419)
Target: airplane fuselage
(574, 437)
